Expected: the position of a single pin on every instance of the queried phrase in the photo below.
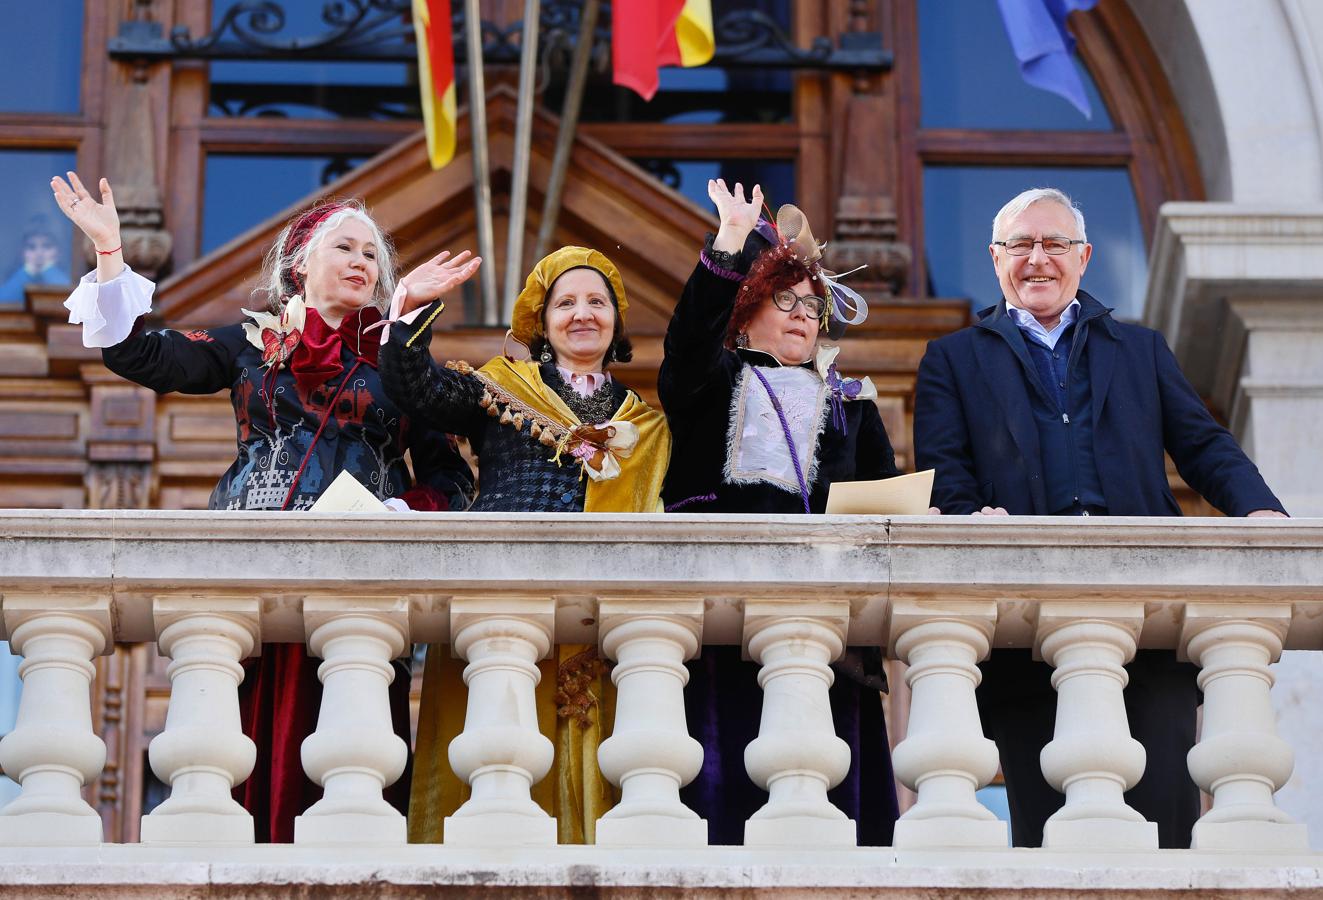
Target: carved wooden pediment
(651, 232)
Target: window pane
(44, 43)
(690, 177)
(310, 89)
(35, 237)
(959, 203)
(970, 78)
(243, 190)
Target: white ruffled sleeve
(107, 311)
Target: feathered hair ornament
(791, 231)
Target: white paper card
(347, 494)
(904, 495)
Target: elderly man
(1049, 406)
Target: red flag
(436, 77)
(649, 34)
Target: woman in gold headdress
(555, 433)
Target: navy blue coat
(974, 425)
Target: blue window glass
(971, 79)
(960, 201)
(690, 177)
(36, 239)
(994, 798)
(309, 89)
(42, 46)
(243, 190)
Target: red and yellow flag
(649, 34)
(436, 77)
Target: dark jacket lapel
(1103, 337)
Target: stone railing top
(427, 559)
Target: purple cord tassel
(681, 504)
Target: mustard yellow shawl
(575, 698)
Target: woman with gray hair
(308, 405)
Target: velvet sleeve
(1206, 455)
(442, 477)
(433, 396)
(695, 357)
(874, 456)
(941, 438)
(196, 362)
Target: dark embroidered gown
(277, 419)
(697, 385)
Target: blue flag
(1044, 48)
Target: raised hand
(435, 277)
(99, 221)
(738, 216)
(731, 205)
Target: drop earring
(546, 356)
(742, 341)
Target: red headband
(301, 232)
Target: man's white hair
(1028, 198)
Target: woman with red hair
(762, 422)
(308, 405)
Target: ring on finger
(77, 200)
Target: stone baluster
(501, 753)
(650, 754)
(1239, 759)
(203, 753)
(52, 751)
(355, 752)
(797, 756)
(945, 758)
(1092, 758)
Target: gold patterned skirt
(576, 704)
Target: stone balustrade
(936, 593)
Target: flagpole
(523, 144)
(569, 122)
(482, 186)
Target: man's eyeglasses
(1052, 246)
(813, 304)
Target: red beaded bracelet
(108, 252)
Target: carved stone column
(52, 751)
(355, 752)
(1240, 759)
(650, 754)
(203, 752)
(1092, 758)
(797, 756)
(501, 753)
(945, 758)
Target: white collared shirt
(1035, 328)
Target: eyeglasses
(1052, 246)
(813, 304)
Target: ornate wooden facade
(73, 435)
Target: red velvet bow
(316, 360)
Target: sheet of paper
(904, 495)
(347, 494)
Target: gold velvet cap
(526, 322)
